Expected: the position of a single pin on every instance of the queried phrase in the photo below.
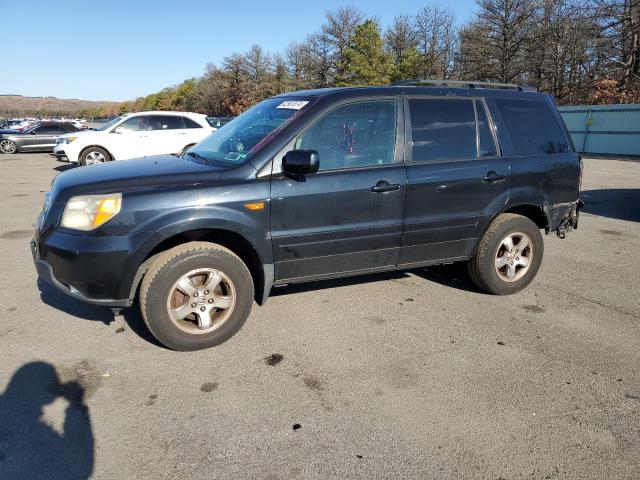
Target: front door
(457, 181)
(41, 138)
(347, 217)
(131, 139)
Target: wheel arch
(533, 212)
(261, 273)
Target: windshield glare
(251, 131)
(110, 123)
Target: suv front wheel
(93, 156)
(509, 255)
(196, 295)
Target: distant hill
(19, 105)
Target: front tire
(8, 146)
(196, 296)
(94, 156)
(509, 255)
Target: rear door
(167, 134)
(347, 217)
(194, 132)
(457, 179)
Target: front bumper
(61, 155)
(46, 274)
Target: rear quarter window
(532, 126)
(188, 123)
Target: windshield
(110, 123)
(248, 133)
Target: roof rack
(463, 84)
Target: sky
(119, 50)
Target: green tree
(366, 62)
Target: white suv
(134, 135)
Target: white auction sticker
(293, 104)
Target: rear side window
(188, 123)
(533, 127)
(166, 122)
(47, 129)
(486, 143)
(442, 129)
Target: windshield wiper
(198, 156)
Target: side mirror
(32, 132)
(301, 162)
(118, 130)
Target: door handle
(383, 186)
(494, 177)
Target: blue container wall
(604, 129)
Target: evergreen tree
(366, 62)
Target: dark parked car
(41, 137)
(314, 185)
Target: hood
(8, 131)
(74, 134)
(138, 174)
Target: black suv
(313, 185)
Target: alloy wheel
(7, 146)
(201, 301)
(514, 257)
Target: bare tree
(436, 39)
(338, 30)
(495, 40)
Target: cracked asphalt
(406, 375)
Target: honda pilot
(314, 185)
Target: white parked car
(134, 135)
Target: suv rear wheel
(509, 255)
(93, 156)
(196, 295)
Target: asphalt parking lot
(408, 375)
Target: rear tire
(94, 156)
(509, 255)
(8, 146)
(196, 295)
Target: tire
(500, 270)
(8, 146)
(160, 295)
(94, 155)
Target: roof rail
(463, 84)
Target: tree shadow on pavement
(31, 448)
(619, 203)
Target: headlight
(66, 139)
(88, 212)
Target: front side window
(236, 141)
(354, 135)
(442, 129)
(137, 124)
(533, 127)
